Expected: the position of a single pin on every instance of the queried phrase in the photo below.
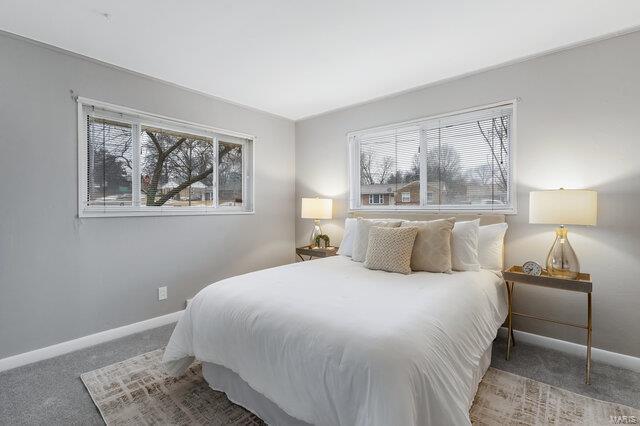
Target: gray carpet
(608, 383)
(50, 392)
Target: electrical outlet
(162, 293)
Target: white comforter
(333, 343)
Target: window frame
(139, 119)
(353, 167)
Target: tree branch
(155, 142)
(166, 197)
(174, 146)
(495, 157)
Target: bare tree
(385, 169)
(171, 143)
(496, 137)
(366, 176)
(110, 156)
(185, 160)
(482, 174)
(166, 157)
(443, 164)
(372, 172)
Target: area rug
(137, 391)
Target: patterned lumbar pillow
(361, 238)
(390, 249)
(432, 248)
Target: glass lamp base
(562, 261)
(317, 230)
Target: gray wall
(61, 277)
(578, 127)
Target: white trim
(216, 176)
(389, 209)
(513, 148)
(86, 341)
(82, 159)
(600, 355)
(163, 211)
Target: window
(456, 162)
(136, 164)
(376, 198)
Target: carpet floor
(138, 391)
(50, 392)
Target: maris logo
(624, 420)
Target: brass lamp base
(562, 261)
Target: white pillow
(491, 245)
(464, 246)
(361, 239)
(346, 246)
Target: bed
(330, 342)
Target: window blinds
(109, 162)
(455, 162)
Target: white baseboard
(86, 341)
(600, 355)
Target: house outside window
(461, 161)
(138, 164)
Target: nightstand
(581, 284)
(316, 252)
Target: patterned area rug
(137, 391)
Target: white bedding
(333, 343)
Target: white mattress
(331, 342)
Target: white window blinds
(460, 161)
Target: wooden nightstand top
(316, 251)
(582, 283)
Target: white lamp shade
(316, 208)
(563, 207)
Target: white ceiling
(297, 58)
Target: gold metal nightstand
(315, 252)
(582, 284)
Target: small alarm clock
(532, 268)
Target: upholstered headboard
(485, 219)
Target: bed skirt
(238, 391)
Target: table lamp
(316, 209)
(563, 207)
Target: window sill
(418, 209)
(131, 212)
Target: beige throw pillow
(432, 248)
(361, 239)
(390, 249)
